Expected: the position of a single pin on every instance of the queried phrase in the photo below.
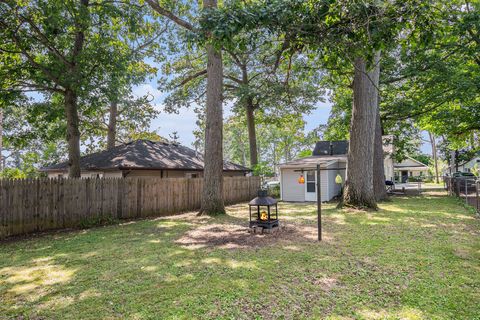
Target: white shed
(292, 189)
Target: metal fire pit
(265, 216)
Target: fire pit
(264, 216)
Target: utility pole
(319, 205)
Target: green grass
(417, 258)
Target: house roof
(410, 162)
(325, 148)
(312, 161)
(145, 154)
(473, 159)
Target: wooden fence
(34, 205)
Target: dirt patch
(234, 236)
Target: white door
(311, 186)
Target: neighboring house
(409, 168)
(469, 165)
(144, 158)
(332, 157)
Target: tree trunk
(1, 139)
(274, 153)
(434, 153)
(70, 96)
(452, 162)
(359, 191)
(252, 135)
(112, 125)
(212, 200)
(73, 134)
(378, 162)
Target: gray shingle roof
(312, 161)
(145, 154)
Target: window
(310, 181)
(191, 175)
(411, 174)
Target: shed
(292, 190)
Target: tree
(63, 50)
(280, 140)
(114, 121)
(174, 137)
(337, 32)
(1, 139)
(359, 191)
(433, 143)
(432, 77)
(212, 199)
(260, 75)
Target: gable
(410, 162)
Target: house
(298, 177)
(470, 165)
(144, 158)
(409, 168)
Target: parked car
(465, 178)
(464, 175)
(273, 183)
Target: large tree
(359, 191)
(280, 140)
(338, 32)
(63, 49)
(432, 78)
(263, 75)
(212, 198)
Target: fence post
(466, 191)
(476, 187)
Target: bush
(414, 179)
(274, 191)
(12, 173)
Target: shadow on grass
(375, 265)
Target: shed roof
(312, 161)
(145, 154)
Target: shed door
(311, 186)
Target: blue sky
(184, 121)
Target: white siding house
(290, 173)
(473, 163)
(409, 168)
(332, 157)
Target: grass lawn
(417, 258)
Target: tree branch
(44, 40)
(168, 14)
(192, 77)
(234, 79)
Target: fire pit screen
(266, 214)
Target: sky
(185, 121)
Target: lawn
(416, 258)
